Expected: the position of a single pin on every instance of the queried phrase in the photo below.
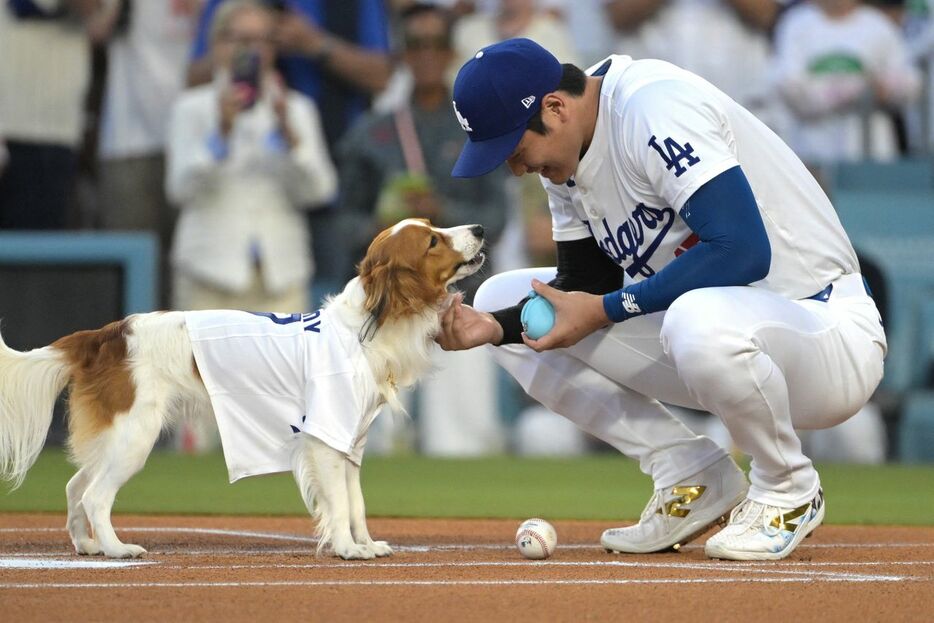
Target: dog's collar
(368, 330)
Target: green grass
(594, 487)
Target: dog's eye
(433, 243)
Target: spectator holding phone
(337, 53)
(245, 156)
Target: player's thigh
(829, 363)
(508, 288)
(630, 353)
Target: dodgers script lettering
(625, 244)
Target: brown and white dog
(135, 377)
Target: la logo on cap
(462, 120)
(528, 101)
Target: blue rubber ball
(538, 316)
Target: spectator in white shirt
(245, 155)
(919, 35)
(838, 65)
(44, 76)
(147, 56)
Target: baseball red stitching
(537, 537)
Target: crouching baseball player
(699, 264)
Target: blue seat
(885, 212)
(905, 174)
(136, 252)
(907, 265)
(916, 428)
(924, 359)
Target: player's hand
(231, 102)
(280, 107)
(577, 315)
(464, 327)
(296, 34)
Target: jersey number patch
(674, 153)
(309, 320)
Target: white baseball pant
(762, 363)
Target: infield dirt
(253, 569)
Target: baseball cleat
(676, 515)
(761, 532)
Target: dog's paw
(125, 550)
(87, 547)
(381, 548)
(355, 552)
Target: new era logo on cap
(499, 90)
(463, 121)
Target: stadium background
(53, 282)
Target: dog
(290, 392)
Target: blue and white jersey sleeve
(679, 137)
(566, 222)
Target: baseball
(537, 316)
(536, 539)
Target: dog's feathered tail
(30, 382)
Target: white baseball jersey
(662, 133)
(272, 376)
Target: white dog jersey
(272, 376)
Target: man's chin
(557, 178)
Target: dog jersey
(271, 377)
(661, 133)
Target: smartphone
(246, 75)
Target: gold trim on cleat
(684, 496)
(784, 520)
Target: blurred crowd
(265, 142)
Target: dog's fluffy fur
(133, 378)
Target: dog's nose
(477, 230)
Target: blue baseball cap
(495, 94)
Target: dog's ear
(394, 290)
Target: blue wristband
(218, 146)
(621, 305)
(276, 143)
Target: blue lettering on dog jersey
(296, 429)
(311, 321)
(626, 242)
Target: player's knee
(508, 288)
(491, 295)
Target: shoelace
(655, 503)
(746, 513)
